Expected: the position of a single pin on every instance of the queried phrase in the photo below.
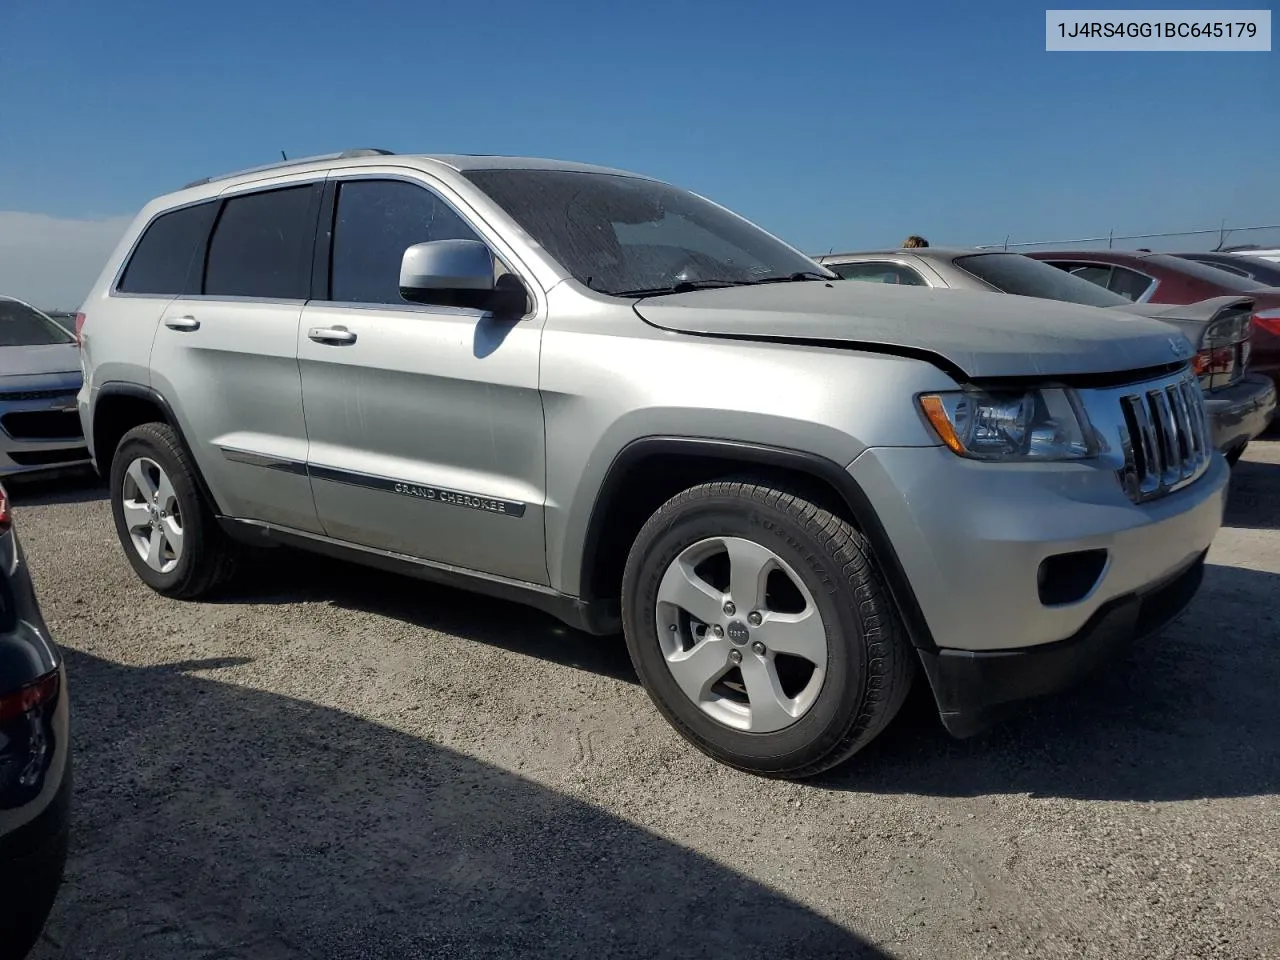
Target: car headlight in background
(1015, 425)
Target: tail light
(27, 698)
(1268, 320)
(6, 515)
(1224, 354)
(80, 318)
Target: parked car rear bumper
(1241, 412)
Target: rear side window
(375, 222)
(161, 262)
(1128, 283)
(878, 271)
(261, 246)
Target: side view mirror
(458, 273)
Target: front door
(425, 423)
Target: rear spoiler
(1203, 311)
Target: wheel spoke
(698, 669)
(172, 535)
(136, 515)
(164, 492)
(138, 474)
(155, 550)
(749, 566)
(770, 707)
(799, 634)
(683, 588)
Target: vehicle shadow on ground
(1253, 501)
(79, 486)
(284, 575)
(1190, 714)
(218, 820)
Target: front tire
(169, 533)
(761, 629)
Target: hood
(45, 358)
(970, 333)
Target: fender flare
(120, 388)
(748, 454)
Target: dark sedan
(35, 759)
(1157, 278)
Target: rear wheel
(169, 534)
(1233, 455)
(759, 625)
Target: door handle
(185, 324)
(331, 335)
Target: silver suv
(619, 402)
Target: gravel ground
(341, 763)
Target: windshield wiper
(797, 277)
(684, 286)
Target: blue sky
(840, 125)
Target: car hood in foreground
(977, 334)
(45, 358)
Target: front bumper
(971, 539)
(973, 688)
(40, 424)
(1240, 412)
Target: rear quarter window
(162, 261)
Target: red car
(1163, 278)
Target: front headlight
(1046, 424)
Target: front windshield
(21, 326)
(1014, 273)
(629, 236)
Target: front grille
(17, 396)
(1166, 439)
(42, 425)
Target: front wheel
(761, 629)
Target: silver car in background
(39, 379)
(1240, 405)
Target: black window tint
(161, 262)
(1025, 277)
(261, 246)
(375, 222)
(878, 272)
(1128, 283)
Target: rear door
(225, 355)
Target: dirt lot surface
(339, 763)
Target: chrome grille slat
(1167, 431)
(1166, 441)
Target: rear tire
(739, 683)
(1233, 456)
(169, 533)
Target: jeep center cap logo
(738, 632)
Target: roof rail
(279, 164)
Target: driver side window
(375, 221)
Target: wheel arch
(121, 406)
(655, 468)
